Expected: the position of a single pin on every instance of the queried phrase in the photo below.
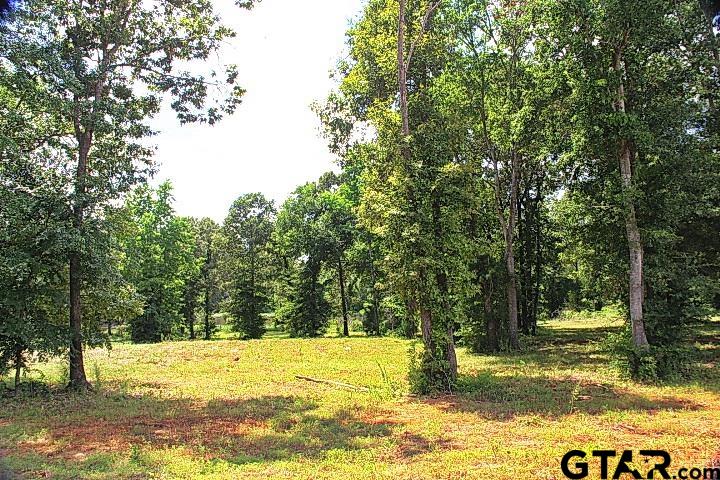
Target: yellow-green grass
(234, 409)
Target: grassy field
(234, 410)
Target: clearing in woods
(235, 410)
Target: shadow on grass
(240, 431)
(506, 397)
(566, 348)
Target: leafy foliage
(248, 229)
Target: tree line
(499, 162)
(529, 156)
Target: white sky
(285, 50)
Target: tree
(208, 233)
(32, 276)
(414, 196)
(307, 243)
(105, 66)
(643, 152)
(159, 261)
(193, 275)
(248, 229)
(337, 222)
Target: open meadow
(232, 409)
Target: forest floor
(235, 410)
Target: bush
(658, 363)
(427, 375)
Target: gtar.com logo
(575, 464)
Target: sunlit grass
(229, 409)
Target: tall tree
(413, 183)
(305, 235)
(208, 247)
(642, 143)
(106, 66)
(248, 229)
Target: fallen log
(333, 383)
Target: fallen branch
(330, 382)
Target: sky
(285, 51)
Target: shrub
(658, 363)
(427, 375)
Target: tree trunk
(402, 77)
(510, 258)
(425, 313)
(208, 259)
(410, 330)
(425, 303)
(78, 380)
(636, 251)
(191, 326)
(343, 301)
(426, 328)
(376, 301)
(538, 255)
(18, 365)
(634, 239)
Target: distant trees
(200, 277)
(247, 234)
(305, 243)
(160, 261)
(209, 283)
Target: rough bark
(426, 328)
(634, 239)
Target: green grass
(229, 409)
